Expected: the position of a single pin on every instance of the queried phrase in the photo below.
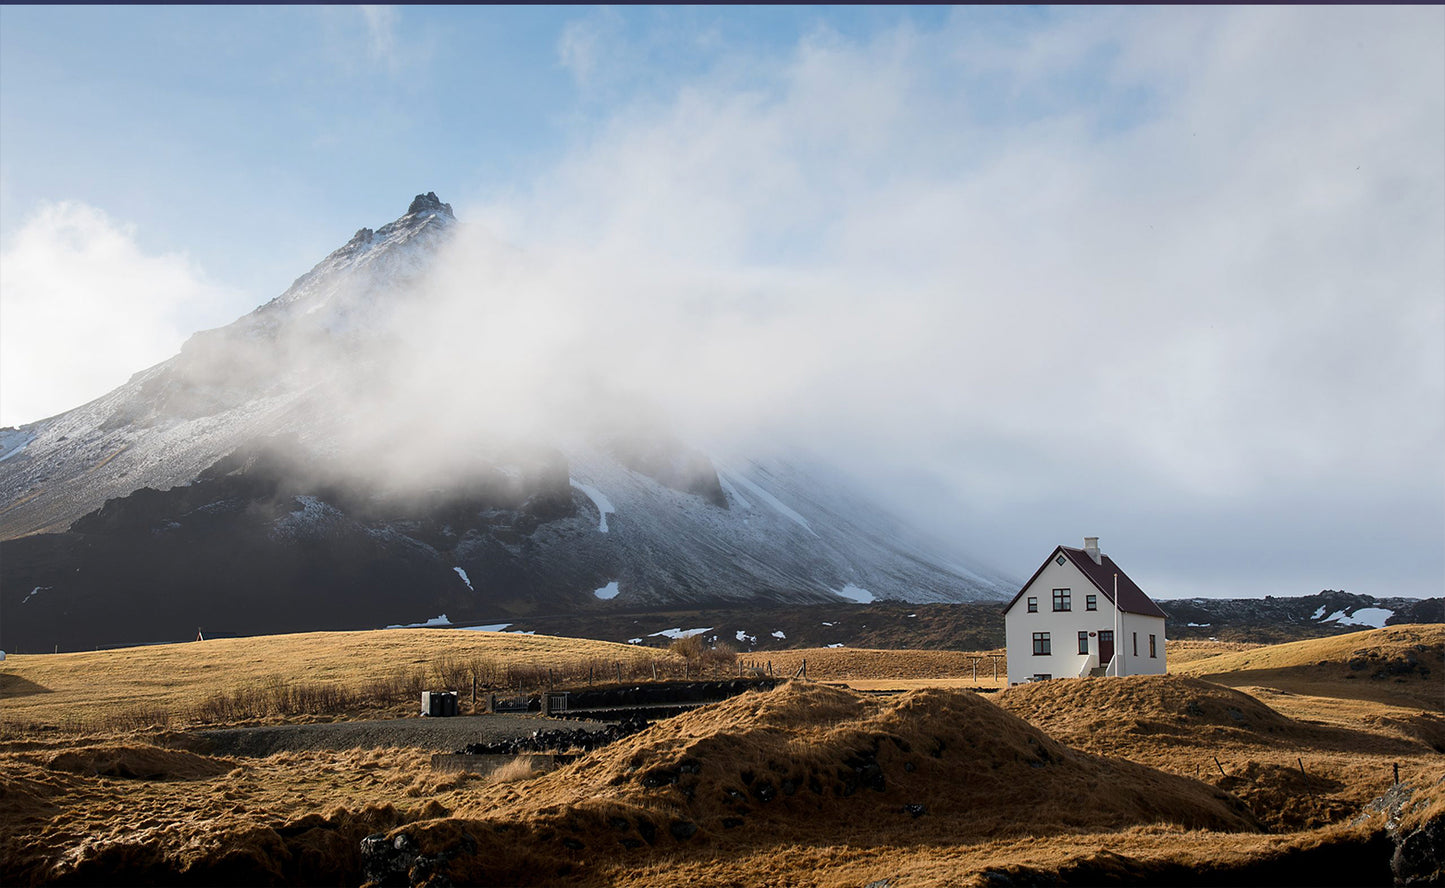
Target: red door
(1106, 647)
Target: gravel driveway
(436, 734)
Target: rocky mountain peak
(429, 202)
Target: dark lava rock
(1419, 857)
(558, 740)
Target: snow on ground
(490, 627)
(1319, 613)
(856, 593)
(838, 645)
(634, 641)
(1201, 625)
(776, 503)
(1374, 617)
(12, 441)
(607, 592)
(825, 623)
(465, 579)
(600, 500)
(434, 621)
(36, 591)
(743, 636)
(778, 633)
(682, 633)
(733, 494)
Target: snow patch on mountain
(773, 501)
(465, 579)
(734, 498)
(607, 592)
(490, 627)
(599, 499)
(440, 620)
(1374, 617)
(679, 632)
(855, 594)
(13, 441)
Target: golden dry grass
(1295, 770)
(1354, 666)
(810, 766)
(1187, 651)
(1122, 754)
(905, 669)
(88, 688)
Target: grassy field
(1255, 764)
(375, 670)
(1396, 665)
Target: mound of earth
(138, 762)
(796, 766)
(1399, 665)
(1091, 712)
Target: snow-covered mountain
(228, 488)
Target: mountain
(253, 483)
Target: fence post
(619, 671)
(1219, 766)
(1397, 773)
(474, 693)
(654, 670)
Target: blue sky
(1169, 276)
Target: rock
(1419, 857)
(916, 810)
(429, 202)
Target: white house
(1080, 615)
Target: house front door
(1106, 647)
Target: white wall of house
(1137, 629)
(1063, 628)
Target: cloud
(83, 307)
(1187, 258)
(381, 22)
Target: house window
(1059, 561)
(1042, 645)
(1033, 605)
(1136, 644)
(1061, 600)
(1091, 602)
(1153, 651)
(1083, 642)
(1043, 676)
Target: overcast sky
(1172, 277)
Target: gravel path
(436, 734)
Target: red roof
(1132, 599)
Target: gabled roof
(1132, 599)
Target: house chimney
(1091, 546)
